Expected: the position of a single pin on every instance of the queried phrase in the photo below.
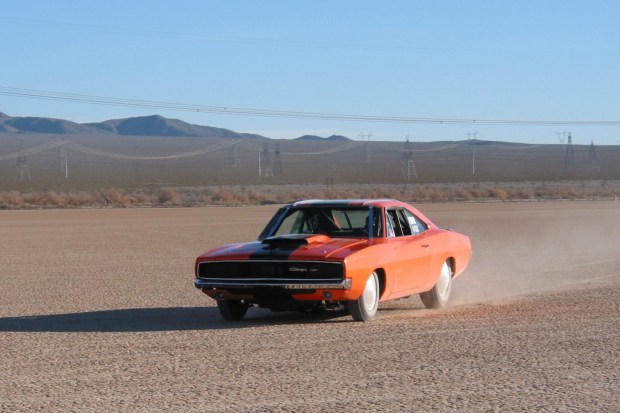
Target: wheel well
(452, 263)
(381, 274)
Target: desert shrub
(138, 199)
(462, 195)
(573, 193)
(169, 197)
(81, 199)
(51, 198)
(428, 194)
(226, 196)
(12, 199)
(259, 197)
(498, 193)
(476, 193)
(142, 198)
(520, 193)
(111, 196)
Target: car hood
(293, 247)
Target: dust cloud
(533, 248)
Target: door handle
(425, 245)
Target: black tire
(438, 296)
(232, 310)
(365, 307)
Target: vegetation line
(279, 194)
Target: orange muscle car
(332, 254)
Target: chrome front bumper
(289, 284)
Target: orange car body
(303, 268)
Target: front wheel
(365, 307)
(437, 297)
(232, 310)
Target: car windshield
(337, 222)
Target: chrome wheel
(437, 297)
(370, 294)
(365, 307)
(443, 283)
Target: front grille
(252, 271)
(253, 274)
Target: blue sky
(507, 60)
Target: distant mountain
(43, 125)
(337, 138)
(154, 125)
(4, 127)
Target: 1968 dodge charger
(336, 254)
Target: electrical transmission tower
(64, 166)
(569, 159)
(265, 167)
(23, 171)
(277, 161)
(472, 141)
(596, 168)
(408, 164)
(366, 138)
(561, 137)
(236, 162)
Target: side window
(399, 224)
(389, 222)
(403, 222)
(416, 225)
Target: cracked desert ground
(98, 313)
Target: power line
(270, 113)
(97, 152)
(297, 44)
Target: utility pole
(473, 149)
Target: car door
(409, 241)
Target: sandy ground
(98, 313)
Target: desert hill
(332, 138)
(44, 153)
(154, 125)
(44, 125)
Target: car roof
(348, 202)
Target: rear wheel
(437, 297)
(365, 307)
(232, 309)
